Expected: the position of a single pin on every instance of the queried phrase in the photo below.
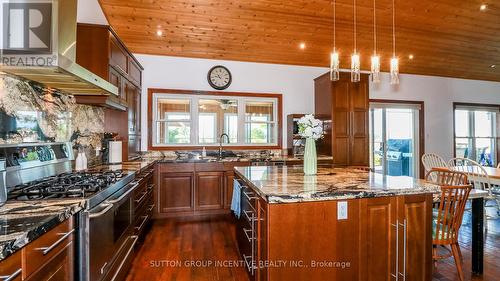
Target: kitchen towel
(235, 202)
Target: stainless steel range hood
(62, 73)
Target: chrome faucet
(221, 138)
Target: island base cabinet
(381, 238)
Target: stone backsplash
(30, 113)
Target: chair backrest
(454, 194)
(498, 166)
(446, 177)
(431, 160)
(477, 175)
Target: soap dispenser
(79, 162)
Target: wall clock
(219, 77)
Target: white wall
(297, 86)
(294, 82)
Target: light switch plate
(342, 210)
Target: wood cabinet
(100, 50)
(380, 237)
(209, 191)
(176, 192)
(194, 189)
(49, 257)
(12, 267)
(347, 105)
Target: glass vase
(310, 157)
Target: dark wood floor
(171, 241)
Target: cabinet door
(359, 107)
(415, 247)
(175, 192)
(131, 103)
(134, 72)
(377, 238)
(59, 268)
(116, 79)
(117, 56)
(228, 192)
(209, 190)
(137, 105)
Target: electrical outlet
(342, 210)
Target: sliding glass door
(394, 138)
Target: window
(475, 133)
(199, 120)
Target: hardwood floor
(173, 243)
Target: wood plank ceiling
(446, 37)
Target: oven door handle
(105, 210)
(124, 194)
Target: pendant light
(394, 59)
(375, 59)
(334, 56)
(355, 62)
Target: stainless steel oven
(108, 232)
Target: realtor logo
(26, 27)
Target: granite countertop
(289, 184)
(24, 221)
(284, 158)
(136, 166)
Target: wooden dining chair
(477, 175)
(447, 219)
(431, 160)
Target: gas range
(94, 186)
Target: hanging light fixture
(334, 56)
(394, 59)
(375, 59)
(355, 62)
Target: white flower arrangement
(310, 127)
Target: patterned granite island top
(289, 184)
(24, 221)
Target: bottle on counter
(81, 160)
(204, 152)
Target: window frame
(471, 137)
(194, 96)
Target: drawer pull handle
(124, 194)
(138, 201)
(145, 219)
(249, 197)
(12, 276)
(249, 236)
(151, 207)
(249, 218)
(150, 187)
(46, 250)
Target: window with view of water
(476, 134)
(202, 119)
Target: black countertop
(24, 221)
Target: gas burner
(67, 185)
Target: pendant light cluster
(355, 57)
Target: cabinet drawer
(48, 245)
(11, 267)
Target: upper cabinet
(101, 51)
(346, 104)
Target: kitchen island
(341, 224)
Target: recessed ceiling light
(493, 65)
(302, 46)
(411, 56)
(483, 7)
(159, 32)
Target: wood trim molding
(279, 97)
(421, 125)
